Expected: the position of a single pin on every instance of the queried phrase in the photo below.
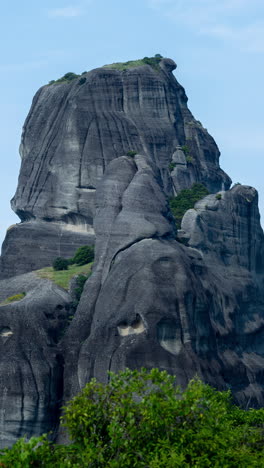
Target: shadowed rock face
(74, 130)
(154, 302)
(31, 365)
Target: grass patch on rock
(62, 278)
(15, 298)
(152, 61)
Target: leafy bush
(172, 166)
(82, 81)
(142, 419)
(80, 281)
(60, 263)
(185, 149)
(131, 153)
(218, 196)
(83, 255)
(189, 159)
(185, 200)
(67, 78)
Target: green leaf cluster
(83, 255)
(143, 419)
(80, 282)
(186, 200)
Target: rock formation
(31, 366)
(74, 130)
(154, 302)
(100, 157)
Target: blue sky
(218, 46)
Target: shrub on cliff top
(141, 418)
(186, 200)
(152, 61)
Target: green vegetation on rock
(62, 278)
(67, 78)
(142, 419)
(152, 61)
(16, 297)
(83, 255)
(60, 263)
(80, 282)
(131, 153)
(186, 200)
(172, 166)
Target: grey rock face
(31, 365)
(190, 302)
(154, 302)
(32, 245)
(73, 131)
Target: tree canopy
(143, 419)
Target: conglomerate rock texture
(188, 299)
(75, 129)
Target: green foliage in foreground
(142, 419)
(62, 278)
(185, 200)
(16, 297)
(152, 61)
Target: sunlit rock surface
(188, 301)
(74, 130)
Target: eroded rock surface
(74, 130)
(154, 302)
(190, 302)
(31, 365)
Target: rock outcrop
(100, 157)
(74, 130)
(31, 365)
(154, 302)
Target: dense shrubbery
(60, 263)
(142, 419)
(83, 255)
(80, 282)
(185, 200)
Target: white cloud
(233, 21)
(66, 12)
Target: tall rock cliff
(101, 156)
(74, 130)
